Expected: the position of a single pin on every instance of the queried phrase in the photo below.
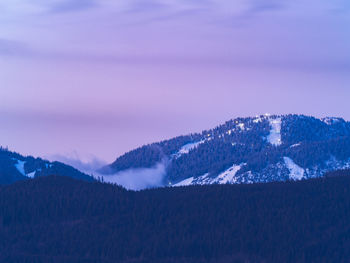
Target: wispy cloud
(138, 179)
(145, 6)
(72, 6)
(13, 48)
(87, 165)
(305, 63)
(177, 58)
(266, 6)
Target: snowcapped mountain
(248, 150)
(15, 167)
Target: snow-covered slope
(275, 133)
(228, 176)
(264, 148)
(15, 167)
(296, 172)
(187, 148)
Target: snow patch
(241, 126)
(200, 180)
(48, 165)
(185, 182)
(225, 177)
(275, 133)
(20, 167)
(204, 179)
(228, 176)
(187, 148)
(295, 171)
(295, 145)
(331, 120)
(257, 119)
(31, 175)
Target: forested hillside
(15, 167)
(59, 219)
(248, 150)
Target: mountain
(15, 167)
(58, 219)
(265, 148)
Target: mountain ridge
(266, 148)
(16, 167)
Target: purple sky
(98, 78)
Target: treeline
(58, 219)
(300, 128)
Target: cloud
(71, 6)
(282, 61)
(132, 179)
(89, 166)
(138, 179)
(265, 6)
(145, 6)
(13, 48)
(17, 10)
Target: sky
(92, 79)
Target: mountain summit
(257, 149)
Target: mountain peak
(15, 167)
(265, 148)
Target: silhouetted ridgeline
(59, 219)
